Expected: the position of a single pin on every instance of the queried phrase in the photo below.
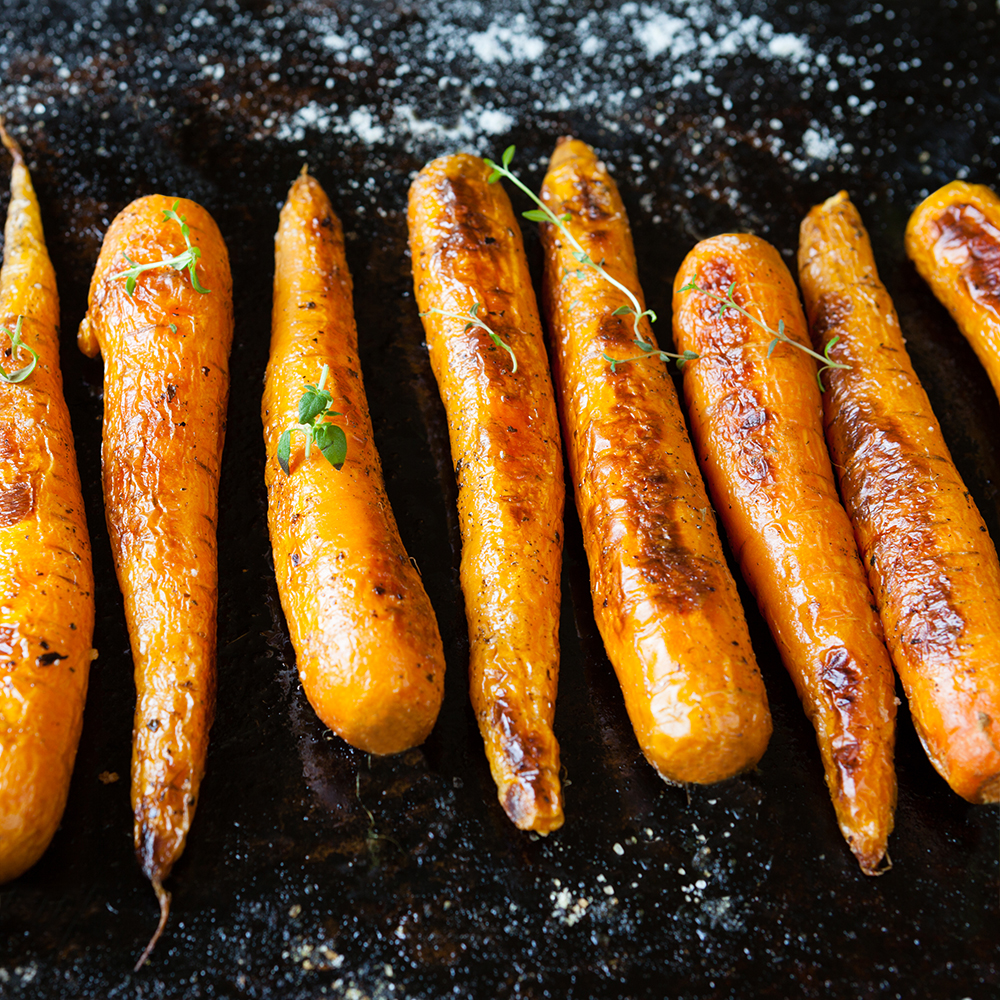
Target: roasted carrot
(365, 636)
(953, 238)
(664, 599)
(469, 268)
(47, 606)
(756, 420)
(931, 563)
(166, 381)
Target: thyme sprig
(16, 345)
(545, 214)
(185, 260)
(779, 336)
(314, 406)
(472, 319)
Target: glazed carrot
(467, 249)
(757, 425)
(364, 632)
(953, 237)
(47, 605)
(664, 599)
(931, 564)
(166, 382)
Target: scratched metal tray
(314, 870)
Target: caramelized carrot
(931, 563)
(467, 250)
(664, 599)
(756, 420)
(166, 382)
(47, 606)
(365, 636)
(953, 238)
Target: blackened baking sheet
(314, 870)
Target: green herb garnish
(186, 260)
(473, 320)
(780, 337)
(16, 344)
(544, 214)
(330, 439)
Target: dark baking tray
(313, 870)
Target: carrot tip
(11, 143)
(164, 899)
(304, 172)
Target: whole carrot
(486, 350)
(756, 420)
(931, 563)
(160, 311)
(664, 599)
(46, 581)
(953, 238)
(365, 636)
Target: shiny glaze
(365, 636)
(757, 426)
(931, 564)
(953, 238)
(664, 599)
(46, 581)
(504, 431)
(165, 396)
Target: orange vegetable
(757, 425)
(46, 582)
(166, 383)
(467, 250)
(664, 599)
(364, 632)
(931, 564)
(953, 237)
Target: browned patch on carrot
(654, 500)
(888, 483)
(969, 241)
(17, 501)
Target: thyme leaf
(314, 408)
(16, 345)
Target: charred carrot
(47, 606)
(365, 636)
(756, 420)
(664, 599)
(953, 238)
(486, 350)
(160, 311)
(932, 566)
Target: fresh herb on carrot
(780, 337)
(330, 439)
(16, 344)
(474, 320)
(186, 260)
(544, 214)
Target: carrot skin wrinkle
(664, 599)
(166, 383)
(365, 636)
(757, 425)
(46, 578)
(467, 248)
